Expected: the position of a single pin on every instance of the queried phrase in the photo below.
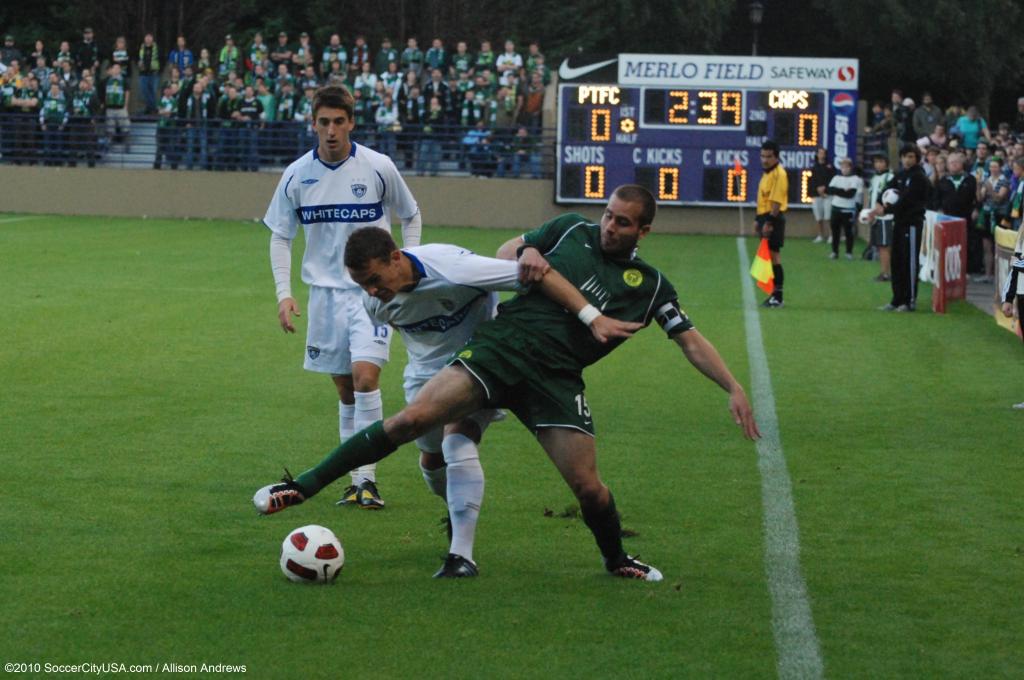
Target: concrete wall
(451, 201)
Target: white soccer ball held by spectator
(890, 197)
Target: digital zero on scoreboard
(689, 128)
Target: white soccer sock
(437, 481)
(346, 420)
(369, 408)
(465, 491)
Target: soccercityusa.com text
(111, 667)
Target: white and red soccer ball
(312, 554)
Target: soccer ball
(312, 554)
(865, 216)
(890, 197)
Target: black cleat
(277, 497)
(369, 497)
(350, 496)
(457, 566)
(631, 567)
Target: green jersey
(462, 62)
(7, 92)
(29, 94)
(485, 60)
(304, 109)
(285, 108)
(624, 288)
(332, 54)
(168, 109)
(115, 92)
(383, 58)
(269, 103)
(258, 54)
(54, 111)
(84, 104)
(227, 60)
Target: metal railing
(218, 145)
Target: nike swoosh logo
(566, 72)
(587, 245)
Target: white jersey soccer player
(332, 190)
(453, 291)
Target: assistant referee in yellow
(770, 222)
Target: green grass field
(148, 392)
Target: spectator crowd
(975, 171)
(237, 106)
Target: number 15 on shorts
(581, 405)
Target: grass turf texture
(148, 392)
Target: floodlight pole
(756, 14)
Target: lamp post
(756, 14)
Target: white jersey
(846, 183)
(333, 200)
(454, 294)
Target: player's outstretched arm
(703, 355)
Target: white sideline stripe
(19, 219)
(796, 643)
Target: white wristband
(588, 314)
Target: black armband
(522, 248)
(672, 319)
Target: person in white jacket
(844, 189)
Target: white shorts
(339, 331)
(821, 207)
(431, 441)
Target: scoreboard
(690, 128)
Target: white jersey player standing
(435, 296)
(331, 191)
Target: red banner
(951, 269)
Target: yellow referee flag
(761, 268)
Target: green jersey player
(530, 360)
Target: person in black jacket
(957, 192)
(821, 174)
(906, 198)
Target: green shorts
(513, 378)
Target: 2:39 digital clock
(697, 143)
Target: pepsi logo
(843, 100)
(847, 73)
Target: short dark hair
(910, 148)
(880, 157)
(335, 97)
(771, 145)
(366, 244)
(634, 193)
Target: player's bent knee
(411, 422)
(591, 494)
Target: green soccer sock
(364, 447)
(607, 530)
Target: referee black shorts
(777, 238)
